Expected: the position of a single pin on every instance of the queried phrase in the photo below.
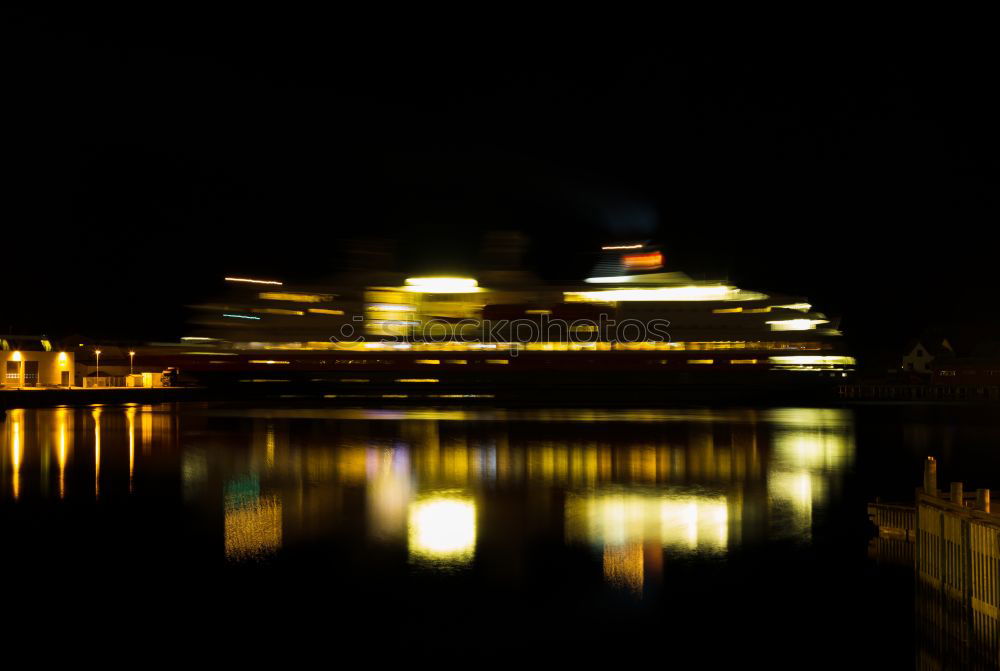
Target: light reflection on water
(252, 521)
(634, 485)
(568, 524)
(442, 529)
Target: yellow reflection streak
(253, 529)
(16, 449)
(97, 452)
(147, 429)
(61, 414)
(269, 446)
(623, 567)
(442, 529)
(130, 419)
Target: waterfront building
(32, 361)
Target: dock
(51, 397)
(919, 392)
(953, 539)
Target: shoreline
(537, 395)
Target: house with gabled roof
(920, 353)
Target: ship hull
(533, 377)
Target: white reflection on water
(442, 530)
(389, 493)
(805, 451)
(632, 527)
(627, 485)
(810, 449)
(669, 520)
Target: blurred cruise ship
(630, 325)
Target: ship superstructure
(630, 317)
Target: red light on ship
(644, 261)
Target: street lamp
(97, 369)
(131, 360)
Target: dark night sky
(147, 156)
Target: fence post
(930, 477)
(983, 500)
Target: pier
(918, 392)
(55, 396)
(953, 538)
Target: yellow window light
(391, 307)
(442, 285)
(712, 292)
(252, 281)
(278, 311)
(615, 279)
(498, 361)
(268, 361)
(429, 362)
(294, 297)
(324, 311)
(701, 361)
(811, 360)
(795, 324)
(417, 379)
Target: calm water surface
(732, 534)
